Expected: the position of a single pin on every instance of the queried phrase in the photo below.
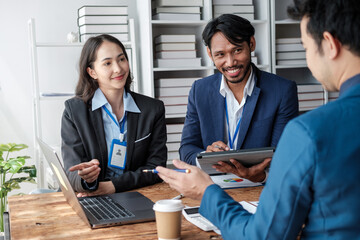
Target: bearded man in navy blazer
(241, 106)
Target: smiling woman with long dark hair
(109, 133)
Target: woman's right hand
(89, 171)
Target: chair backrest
(41, 190)
(6, 226)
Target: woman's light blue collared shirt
(112, 131)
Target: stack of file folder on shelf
(173, 140)
(242, 8)
(289, 51)
(333, 96)
(176, 51)
(254, 58)
(174, 93)
(177, 10)
(95, 20)
(310, 96)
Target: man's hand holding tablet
(245, 163)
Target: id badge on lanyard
(117, 155)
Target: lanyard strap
(114, 120)
(232, 139)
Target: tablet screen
(247, 157)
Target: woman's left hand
(103, 189)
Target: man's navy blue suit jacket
(271, 105)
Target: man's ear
(91, 72)
(331, 45)
(252, 44)
(209, 52)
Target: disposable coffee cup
(168, 219)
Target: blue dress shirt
(313, 180)
(112, 130)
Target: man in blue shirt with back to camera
(313, 186)
(240, 107)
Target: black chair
(6, 227)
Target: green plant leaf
(31, 180)
(3, 190)
(22, 157)
(14, 168)
(13, 165)
(7, 166)
(14, 182)
(5, 147)
(31, 170)
(14, 185)
(12, 147)
(18, 160)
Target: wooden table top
(49, 216)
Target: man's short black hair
(236, 29)
(341, 18)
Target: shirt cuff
(89, 186)
(266, 176)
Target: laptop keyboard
(104, 208)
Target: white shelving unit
(55, 98)
(149, 29)
(262, 34)
(283, 27)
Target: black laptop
(101, 211)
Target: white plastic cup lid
(168, 205)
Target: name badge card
(117, 157)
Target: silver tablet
(247, 157)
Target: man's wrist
(260, 178)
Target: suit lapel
(96, 119)
(217, 103)
(249, 110)
(132, 127)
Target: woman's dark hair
(341, 18)
(86, 85)
(236, 29)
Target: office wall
(54, 20)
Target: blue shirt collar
(349, 83)
(100, 100)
